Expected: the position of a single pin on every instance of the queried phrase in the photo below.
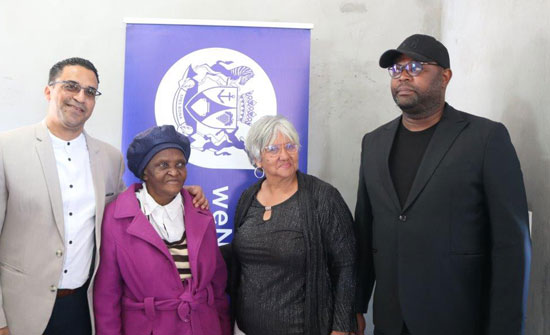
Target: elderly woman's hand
(199, 198)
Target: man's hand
(361, 324)
(4, 331)
(199, 199)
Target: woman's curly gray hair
(264, 132)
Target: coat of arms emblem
(213, 96)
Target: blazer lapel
(49, 168)
(99, 185)
(385, 145)
(451, 124)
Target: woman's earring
(260, 174)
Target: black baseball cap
(423, 48)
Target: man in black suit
(441, 215)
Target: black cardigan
(330, 244)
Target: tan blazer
(31, 222)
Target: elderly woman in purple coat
(160, 271)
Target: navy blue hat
(423, 48)
(149, 142)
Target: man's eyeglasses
(74, 87)
(275, 149)
(413, 68)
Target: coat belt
(185, 305)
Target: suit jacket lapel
(385, 145)
(451, 124)
(46, 155)
(99, 185)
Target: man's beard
(420, 105)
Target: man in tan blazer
(55, 180)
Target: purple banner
(212, 83)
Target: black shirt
(405, 157)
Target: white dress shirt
(77, 190)
(167, 220)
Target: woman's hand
(199, 199)
(360, 327)
(4, 331)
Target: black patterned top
(272, 255)
(329, 243)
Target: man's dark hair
(58, 67)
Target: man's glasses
(413, 68)
(275, 149)
(74, 87)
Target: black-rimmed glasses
(74, 87)
(413, 68)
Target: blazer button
(402, 218)
(53, 288)
(59, 253)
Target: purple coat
(138, 289)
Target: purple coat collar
(196, 224)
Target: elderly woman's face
(280, 159)
(165, 175)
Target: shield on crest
(215, 107)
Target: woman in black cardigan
(293, 253)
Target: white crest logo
(213, 96)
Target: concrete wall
(500, 56)
(349, 93)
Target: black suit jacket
(455, 259)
